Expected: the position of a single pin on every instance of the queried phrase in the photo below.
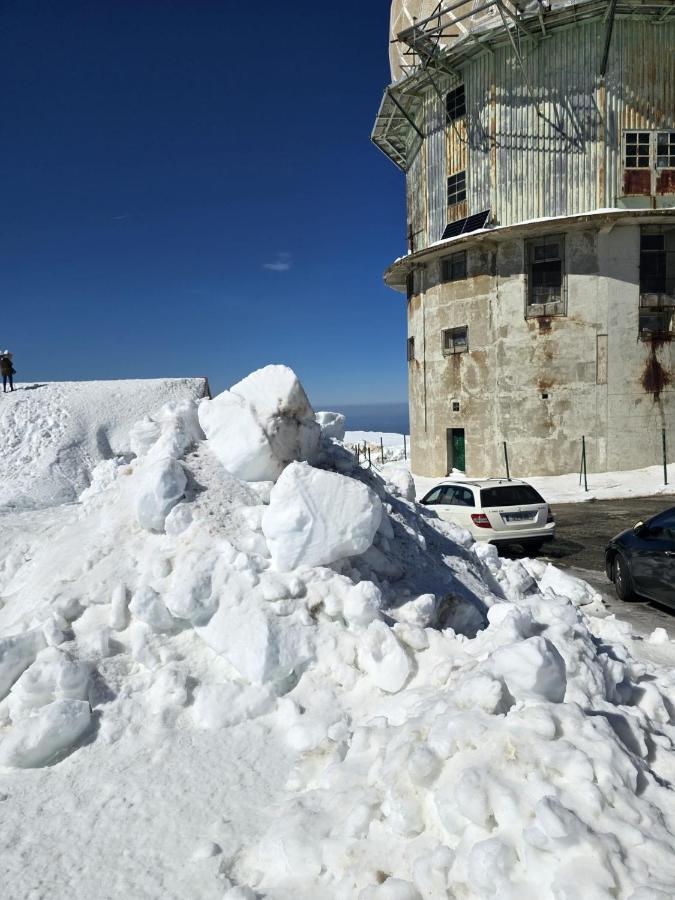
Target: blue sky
(189, 189)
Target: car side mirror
(639, 528)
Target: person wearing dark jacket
(7, 370)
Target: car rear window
(510, 495)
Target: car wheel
(623, 581)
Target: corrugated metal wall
(548, 142)
(436, 155)
(417, 225)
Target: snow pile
(305, 685)
(53, 435)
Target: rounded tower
(537, 138)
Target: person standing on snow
(7, 370)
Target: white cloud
(282, 263)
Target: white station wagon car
(495, 510)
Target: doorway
(456, 449)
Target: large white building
(538, 142)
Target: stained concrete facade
(553, 98)
(540, 383)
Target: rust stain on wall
(637, 181)
(665, 182)
(654, 377)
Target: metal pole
(506, 460)
(665, 457)
(369, 462)
(382, 450)
(405, 448)
(583, 460)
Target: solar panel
(464, 226)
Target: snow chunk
(221, 705)
(148, 607)
(383, 658)
(262, 423)
(332, 425)
(317, 517)
(532, 670)
(559, 584)
(53, 676)
(159, 487)
(41, 738)
(401, 481)
(17, 652)
(659, 636)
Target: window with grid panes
(637, 145)
(455, 103)
(455, 340)
(657, 281)
(665, 149)
(546, 278)
(453, 268)
(456, 188)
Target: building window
(455, 104)
(455, 340)
(546, 276)
(410, 284)
(637, 154)
(411, 349)
(657, 281)
(665, 150)
(456, 188)
(453, 268)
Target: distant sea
(390, 417)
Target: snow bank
(53, 435)
(312, 688)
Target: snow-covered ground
(53, 434)
(243, 665)
(645, 482)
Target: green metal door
(457, 450)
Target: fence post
(369, 462)
(583, 462)
(506, 460)
(382, 450)
(405, 448)
(665, 456)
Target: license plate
(518, 517)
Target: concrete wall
(595, 384)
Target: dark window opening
(456, 188)
(657, 281)
(637, 149)
(665, 149)
(510, 495)
(546, 279)
(453, 268)
(411, 349)
(410, 284)
(455, 405)
(455, 340)
(455, 103)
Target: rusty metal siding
(547, 142)
(435, 144)
(640, 89)
(417, 229)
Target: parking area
(582, 533)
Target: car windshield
(510, 495)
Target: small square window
(453, 268)
(665, 149)
(455, 103)
(456, 188)
(455, 340)
(637, 149)
(411, 349)
(455, 405)
(545, 276)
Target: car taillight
(480, 520)
(550, 517)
